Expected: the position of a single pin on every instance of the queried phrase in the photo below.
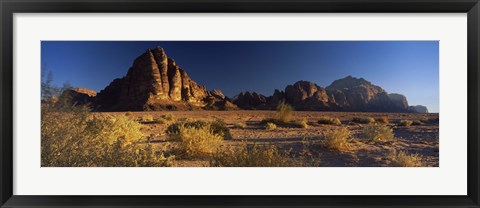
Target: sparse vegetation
(147, 118)
(329, 120)
(337, 138)
(250, 156)
(378, 133)
(284, 112)
(383, 120)
(405, 123)
(270, 126)
(364, 120)
(402, 159)
(418, 123)
(240, 125)
(302, 123)
(72, 138)
(195, 140)
(168, 117)
(217, 127)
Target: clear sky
(410, 68)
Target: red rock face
(347, 94)
(155, 82)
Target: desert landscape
(157, 116)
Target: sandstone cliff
(156, 82)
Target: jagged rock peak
(155, 82)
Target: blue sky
(410, 68)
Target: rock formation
(156, 82)
(347, 94)
(418, 109)
(81, 96)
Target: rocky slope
(156, 82)
(347, 94)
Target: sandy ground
(418, 139)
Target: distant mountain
(347, 94)
(156, 82)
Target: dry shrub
(378, 133)
(284, 112)
(337, 139)
(129, 114)
(383, 120)
(405, 123)
(195, 141)
(165, 119)
(168, 117)
(218, 127)
(71, 139)
(417, 123)
(254, 156)
(402, 159)
(270, 126)
(303, 123)
(147, 118)
(329, 120)
(364, 120)
(240, 125)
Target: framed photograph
(264, 103)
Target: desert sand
(302, 143)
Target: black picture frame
(9, 7)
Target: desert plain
(304, 146)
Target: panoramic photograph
(240, 104)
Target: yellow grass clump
(284, 112)
(195, 142)
(218, 127)
(240, 125)
(337, 139)
(364, 120)
(270, 126)
(147, 118)
(73, 139)
(402, 159)
(405, 123)
(378, 133)
(329, 120)
(303, 123)
(253, 156)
